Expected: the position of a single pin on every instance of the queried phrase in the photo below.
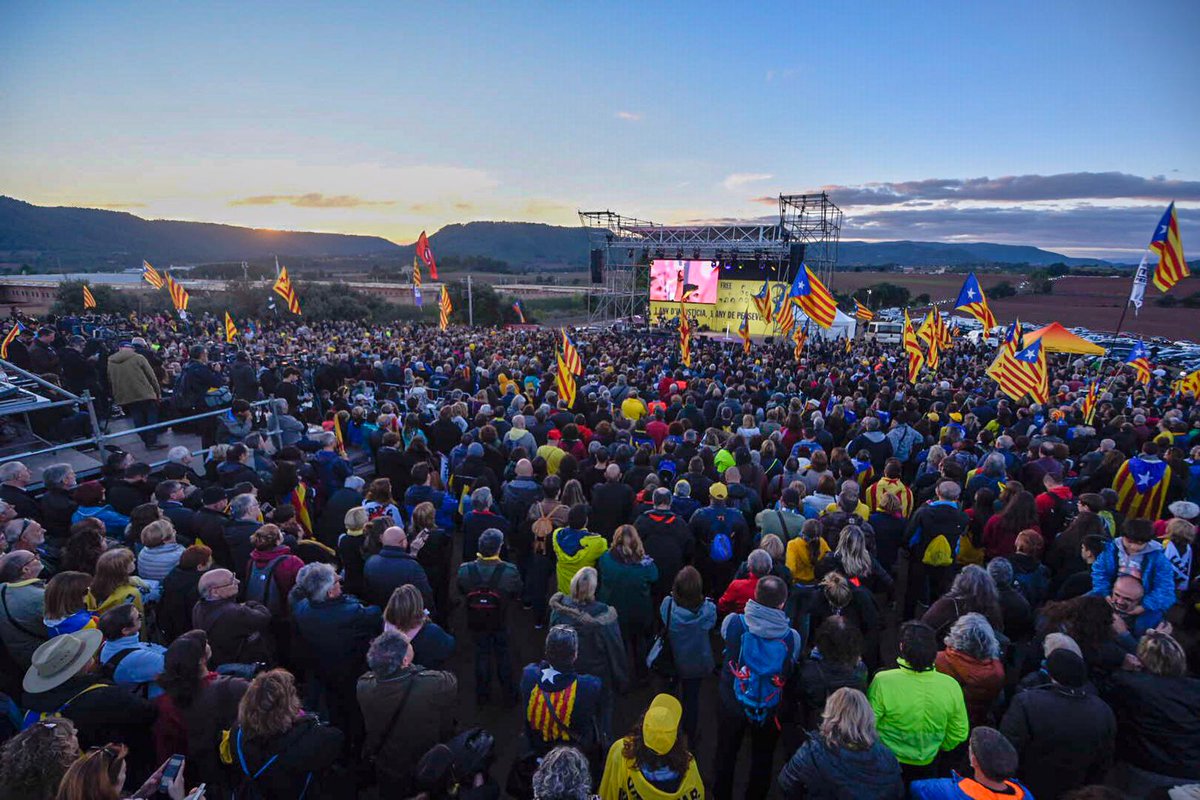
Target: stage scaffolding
(808, 228)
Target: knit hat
(89, 493)
(1066, 668)
(660, 726)
(212, 494)
(475, 449)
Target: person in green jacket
(575, 547)
(919, 711)
(626, 575)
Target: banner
(733, 297)
(1139, 284)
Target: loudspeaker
(597, 266)
(795, 258)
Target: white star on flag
(1144, 479)
(971, 293)
(550, 673)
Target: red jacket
(1045, 503)
(737, 595)
(981, 681)
(285, 571)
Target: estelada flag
(1141, 484)
(283, 287)
(150, 275)
(814, 299)
(426, 254)
(861, 312)
(744, 331)
(1172, 266)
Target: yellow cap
(719, 491)
(660, 727)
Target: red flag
(427, 255)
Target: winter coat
(575, 549)
(22, 604)
(1064, 738)
(1157, 579)
(601, 649)
(193, 731)
(939, 518)
(332, 520)
(429, 696)
(820, 678)
(132, 378)
(180, 593)
(114, 523)
(761, 621)
(981, 681)
(109, 714)
(474, 524)
(389, 569)
(155, 563)
(285, 571)
(956, 787)
(612, 506)
(626, 587)
(668, 540)
(1158, 722)
(58, 510)
(237, 539)
(301, 755)
(337, 633)
(691, 649)
(918, 714)
(818, 771)
(237, 632)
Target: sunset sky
(1064, 125)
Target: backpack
(903, 448)
(542, 528)
(260, 581)
(485, 602)
(720, 549)
(108, 670)
(761, 670)
(1060, 515)
(938, 552)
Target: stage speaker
(597, 266)
(795, 258)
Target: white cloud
(739, 179)
(629, 116)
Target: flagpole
(470, 303)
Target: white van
(886, 332)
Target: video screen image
(690, 281)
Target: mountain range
(85, 238)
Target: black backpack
(1061, 514)
(485, 602)
(261, 586)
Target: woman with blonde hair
(276, 747)
(626, 577)
(160, 552)
(601, 648)
(405, 612)
(350, 549)
(115, 583)
(844, 757)
(853, 559)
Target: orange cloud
(310, 200)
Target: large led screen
(690, 281)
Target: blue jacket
(1157, 580)
(959, 788)
(336, 635)
(114, 522)
(443, 503)
(690, 647)
(817, 771)
(391, 568)
(333, 470)
(143, 665)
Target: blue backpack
(720, 549)
(760, 673)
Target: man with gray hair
(23, 596)
(874, 441)
(24, 534)
(518, 436)
(15, 476)
(489, 585)
(58, 505)
(547, 685)
(741, 590)
(932, 538)
(238, 633)
(481, 517)
(244, 513)
(394, 692)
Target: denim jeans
(144, 412)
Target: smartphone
(170, 773)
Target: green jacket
(626, 587)
(918, 713)
(574, 550)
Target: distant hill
(47, 236)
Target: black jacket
(242, 381)
(820, 678)
(237, 538)
(819, 771)
(612, 506)
(109, 714)
(180, 593)
(209, 527)
(57, 508)
(668, 540)
(124, 496)
(1064, 738)
(184, 519)
(21, 501)
(932, 520)
(332, 521)
(1158, 722)
(302, 756)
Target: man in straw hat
(65, 680)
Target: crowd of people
(881, 589)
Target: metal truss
(629, 244)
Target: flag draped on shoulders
(814, 299)
(1172, 267)
(972, 300)
(1141, 485)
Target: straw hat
(60, 659)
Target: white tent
(844, 326)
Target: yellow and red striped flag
(685, 336)
(744, 331)
(179, 295)
(444, 308)
(571, 353)
(762, 301)
(151, 276)
(1023, 374)
(861, 312)
(1172, 266)
(972, 300)
(800, 338)
(283, 287)
(88, 300)
(231, 330)
(416, 282)
(912, 350)
(9, 339)
(1188, 383)
(814, 299)
(785, 316)
(564, 381)
(1139, 359)
(1088, 409)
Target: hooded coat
(575, 549)
(819, 772)
(601, 649)
(131, 377)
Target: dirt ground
(1092, 302)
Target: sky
(1067, 125)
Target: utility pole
(470, 303)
